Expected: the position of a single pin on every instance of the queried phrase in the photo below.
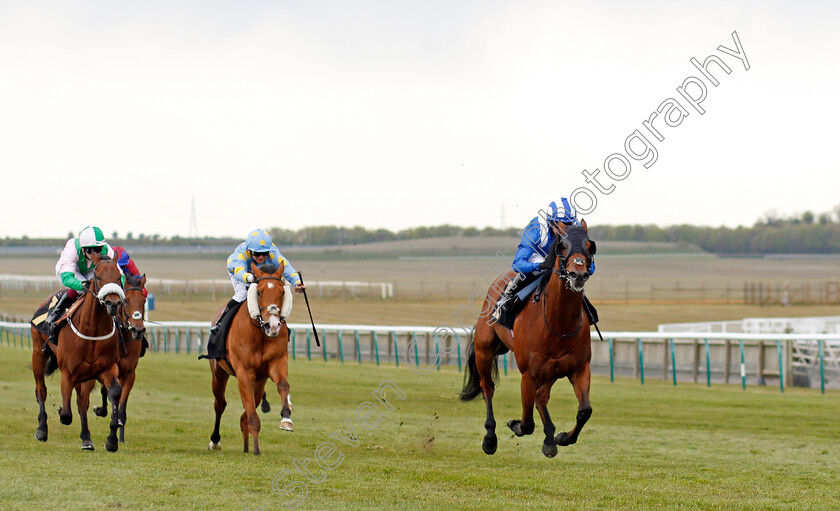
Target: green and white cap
(91, 237)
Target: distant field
(433, 278)
(651, 447)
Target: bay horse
(86, 350)
(257, 349)
(550, 340)
(134, 330)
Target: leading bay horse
(86, 350)
(550, 340)
(257, 349)
(134, 335)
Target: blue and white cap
(561, 211)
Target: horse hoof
(265, 407)
(111, 446)
(514, 426)
(41, 435)
(65, 419)
(563, 439)
(214, 446)
(489, 445)
(87, 445)
(100, 411)
(549, 450)
(286, 424)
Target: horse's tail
(52, 363)
(472, 380)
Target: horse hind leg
(485, 360)
(39, 360)
(580, 382)
(102, 411)
(220, 379)
(265, 406)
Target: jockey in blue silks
(536, 241)
(257, 248)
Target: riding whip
(315, 330)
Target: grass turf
(646, 447)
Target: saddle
(39, 319)
(536, 288)
(217, 345)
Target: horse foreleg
(39, 361)
(549, 448)
(65, 414)
(112, 382)
(279, 373)
(127, 385)
(249, 422)
(528, 392)
(83, 391)
(220, 379)
(580, 382)
(102, 411)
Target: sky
(390, 114)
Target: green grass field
(646, 447)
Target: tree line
(806, 233)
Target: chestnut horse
(87, 350)
(550, 340)
(257, 349)
(134, 331)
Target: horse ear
(583, 224)
(143, 280)
(255, 270)
(281, 268)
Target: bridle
(136, 315)
(99, 291)
(273, 310)
(564, 274)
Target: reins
(98, 288)
(564, 275)
(262, 323)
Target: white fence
(810, 360)
(45, 283)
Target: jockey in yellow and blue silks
(260, 249)
(534, 245)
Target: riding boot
(53, 316)
(506, 296)
(215, 328)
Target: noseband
(577, 238)
(273, 310)
(136, 315)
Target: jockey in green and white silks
(73, 267)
